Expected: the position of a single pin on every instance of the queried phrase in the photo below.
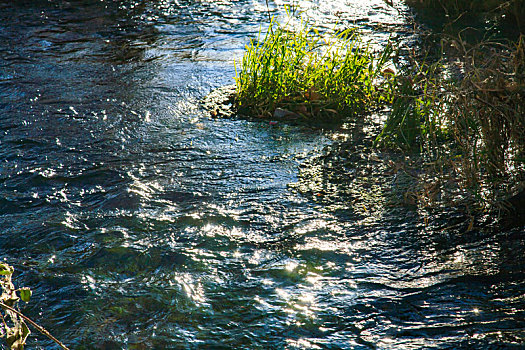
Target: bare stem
(268, 10)
(34, 324)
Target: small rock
(281, 113)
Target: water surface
(139, 222)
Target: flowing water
(139, 222)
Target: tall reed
(466, 114)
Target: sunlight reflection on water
(139, 222)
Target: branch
(34, 324)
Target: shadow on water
(430, 278)
(138, 222)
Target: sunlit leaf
(5, 269)
(25, 294)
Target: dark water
(139, 223)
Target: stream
(140, 222)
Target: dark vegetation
(460, 103)
(451, 15)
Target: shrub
(13, 326)
(469, 124)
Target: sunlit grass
(304, 74)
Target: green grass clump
(305, 75)
(416, 118)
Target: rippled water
(139, 222)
